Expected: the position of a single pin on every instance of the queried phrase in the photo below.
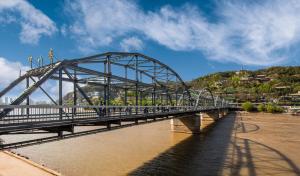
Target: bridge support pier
(214, 115)
(186, 124)
(223, 112)
(196, 123)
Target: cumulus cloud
(131, 44)
(9, 71)
(33, 22)
(257, 33)
(98, 23)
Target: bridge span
(130, 87)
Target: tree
(265, 88)
(235, 80)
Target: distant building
(262, 78)
(293, 98)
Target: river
(147, 149)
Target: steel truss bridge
(145, 88)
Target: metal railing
(43, 113)
(47, 113)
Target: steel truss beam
(159, 81)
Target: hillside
(277, 84)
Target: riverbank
(14, 165)
(264, 144)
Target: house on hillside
(290, 99)
(262, 78)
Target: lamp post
(51, 55)
(30, 61)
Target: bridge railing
(43, 113)
(21, 114)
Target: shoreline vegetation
(268, 107)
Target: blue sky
(194, 37)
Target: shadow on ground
(220, 152)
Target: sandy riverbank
(264, 144)
(14, 165)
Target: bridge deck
(56, 119)
(14, 127)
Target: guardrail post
(60, 94)
(27, 99)
(136, 85)
(74, 94)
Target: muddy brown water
(236, 145)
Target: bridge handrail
(84, 106)
(102, 106)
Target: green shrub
(279, 109)
(270, 108)
(248, 106)
(261, 108)
(273, 108)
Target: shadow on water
(17, 140)
(196, 155)
(220, 152)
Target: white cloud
(9, 71)
(33, 22)
(98, 23)
(260, 33)
(63, 30)
(131, 44)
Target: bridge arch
(202, 97)
(136, 78)
(143, 75)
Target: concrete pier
(186, 124)
(195, 123)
